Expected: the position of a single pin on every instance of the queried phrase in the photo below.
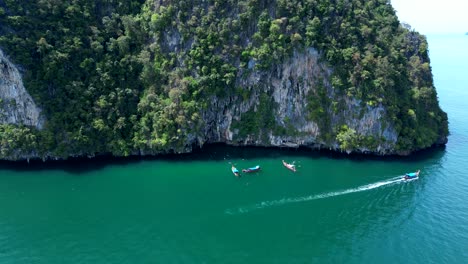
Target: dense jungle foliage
(132, 76)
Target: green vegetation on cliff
(133, 76)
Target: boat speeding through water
(412, 175)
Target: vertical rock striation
(16, 105)
(290, 85)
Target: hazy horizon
(433, 17)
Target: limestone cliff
(290, 84)
(16, 105)
(150, 77)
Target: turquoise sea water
(193, 210)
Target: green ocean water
(193, 210)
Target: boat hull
(289, 166)
(250, 170)
(411, 176)
(235, 172)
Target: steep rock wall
(16, 105)
(290, 84)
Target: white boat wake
(266, 204)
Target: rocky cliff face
(290, 85)
(156, 77)
(16, 105)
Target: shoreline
(214, 151)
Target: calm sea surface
(192, 210)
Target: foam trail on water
(283, 201)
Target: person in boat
(412, 175)
(289, 166)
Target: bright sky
(434, 16)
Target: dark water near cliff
(192, 210)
